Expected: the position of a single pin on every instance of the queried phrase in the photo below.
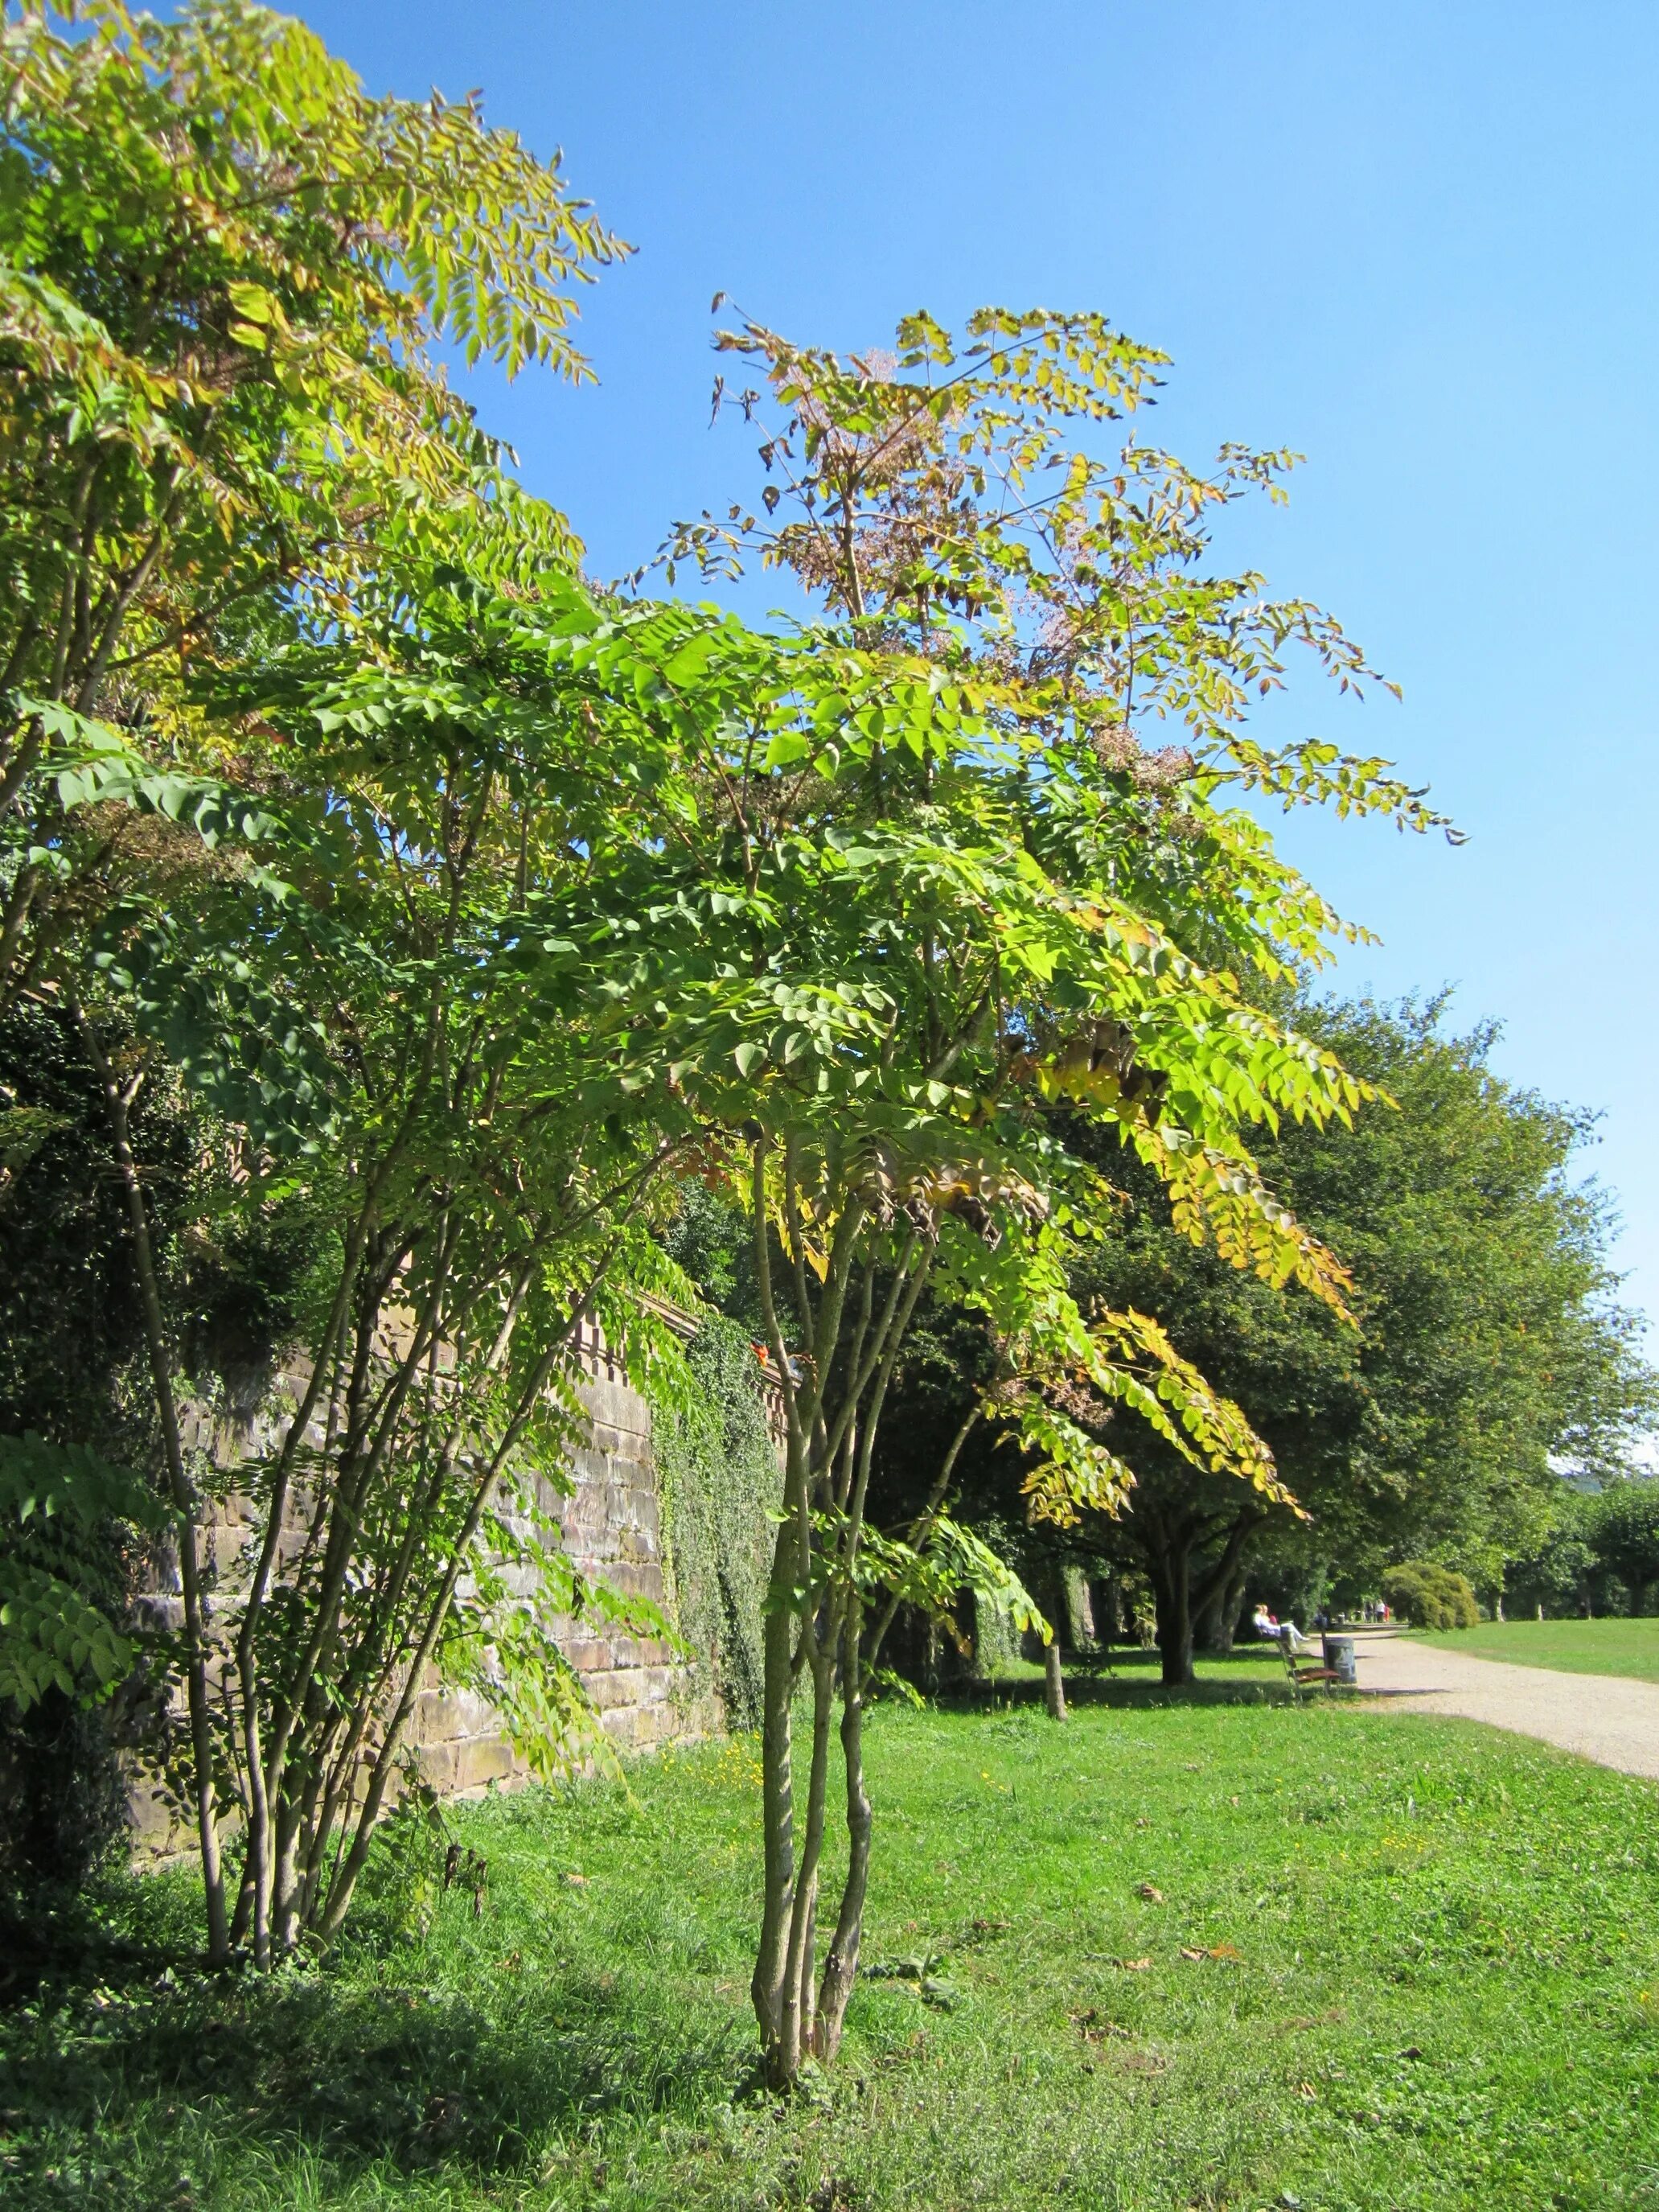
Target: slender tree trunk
(1218, 1591)
(1107, 1625)
(777, 1801)
(1235, 1608)
(832, 1406)
(800, 1964)
(840, 1968)
(1053, 1682)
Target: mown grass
(1426, 1975)
(1575, 1646)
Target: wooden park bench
(1303, 1677)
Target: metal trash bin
(1338, 1657)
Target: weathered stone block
(481, 1760)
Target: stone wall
(612, 1531)
(644, 1696)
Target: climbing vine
(717, 1475)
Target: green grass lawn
(1575, 1647)
(1392, 1962)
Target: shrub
(1424, 1596)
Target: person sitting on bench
(1280, 1631)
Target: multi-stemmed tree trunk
(1188, 1586)
(1217, 1622)
(436, 1357)
(838, 1583)
(421, 1438)
(119, 1096)
(833, 1380)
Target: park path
(1605, 1717)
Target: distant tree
(1622, 1525)
(1489, 1347)
(1425, 1595)
(1562, 1573)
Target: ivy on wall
(717, 1476)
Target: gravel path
(1605, 1717)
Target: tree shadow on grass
(1131, 1684)
(356, 2070)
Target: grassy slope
(1435, 1983)
(1575, 1646)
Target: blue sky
(1414, 241)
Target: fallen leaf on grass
(1134, 1966)
(1151, 1892)
(578, 1881)
(1224, 1951)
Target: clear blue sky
(1414, 241)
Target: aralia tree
(1027, 906)
(409, 988)
(224, 276)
